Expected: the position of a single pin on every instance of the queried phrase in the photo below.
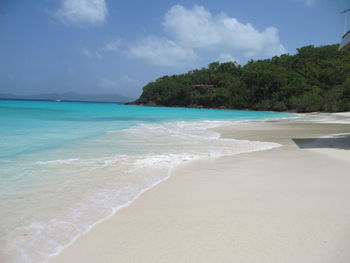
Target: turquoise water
(67, 165)
(29, 126)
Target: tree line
(314, 79)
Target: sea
(66, 166)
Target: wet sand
(288, 204)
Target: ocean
(65, 166)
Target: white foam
(99, 187)
(66, 161)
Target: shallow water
(67, 165)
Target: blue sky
(105, 46)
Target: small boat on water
(58, 100)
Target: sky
(110, 46)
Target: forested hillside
(314, 79)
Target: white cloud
(113, 46)
(83, 12)
(198, 28)
(162, 51)
(99, 53)
(193, 31)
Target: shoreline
(93, 240)
(176, 166)
(89, 180)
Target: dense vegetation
(314, 79)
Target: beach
(286, 204)
(200, 131)
(109, 155)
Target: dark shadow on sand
(337, 142)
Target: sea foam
(65, 167)
(92, 189)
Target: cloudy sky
(108, 46)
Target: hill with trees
(314, 79)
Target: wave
(80, 192)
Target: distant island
(71, 96)
(314, 79)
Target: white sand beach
(289, 204)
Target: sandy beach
(288, 204)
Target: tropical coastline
(167, 131)
(286, 204)
(109, 155)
